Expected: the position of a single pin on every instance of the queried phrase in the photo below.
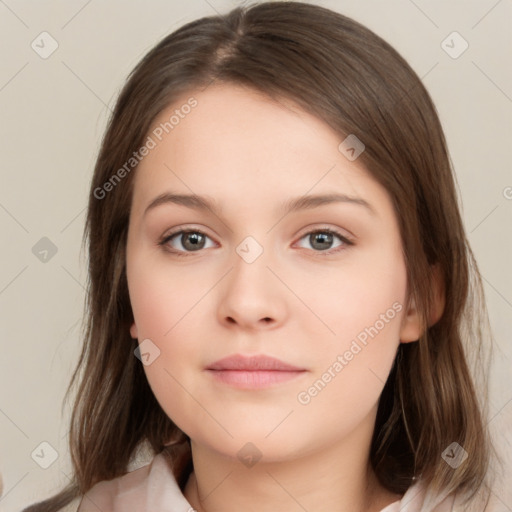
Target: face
(256, 276)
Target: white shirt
(153, 488)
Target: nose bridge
(249, 264)
(249, 294)
(250, 250)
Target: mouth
(253, 372)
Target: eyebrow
(305, 202)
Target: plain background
(54, 112)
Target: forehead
(235, 142)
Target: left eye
(321, 240)
(194, 240)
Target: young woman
(282, 296)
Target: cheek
(169, 315)
(161, 296)
(361, 306)
(361, 298)
(364, 308)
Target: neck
(335, 479)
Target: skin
(293, 302)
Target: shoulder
(418, 499)
(108, 494)
(149, 488)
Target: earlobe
(133, 331)
(412, 328)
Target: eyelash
(346, 242)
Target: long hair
(347, 76)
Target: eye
(193, 240)
(321, 240)
(190, 240)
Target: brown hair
(346, 75)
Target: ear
(412, 327)
(134, 333)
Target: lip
(253, 363)
(253, 372)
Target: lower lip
(256, 379)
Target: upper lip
(252, 363)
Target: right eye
(191, 240)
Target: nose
(251, 295)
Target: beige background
(53, 114)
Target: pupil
(195, 240)
(325, 240)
